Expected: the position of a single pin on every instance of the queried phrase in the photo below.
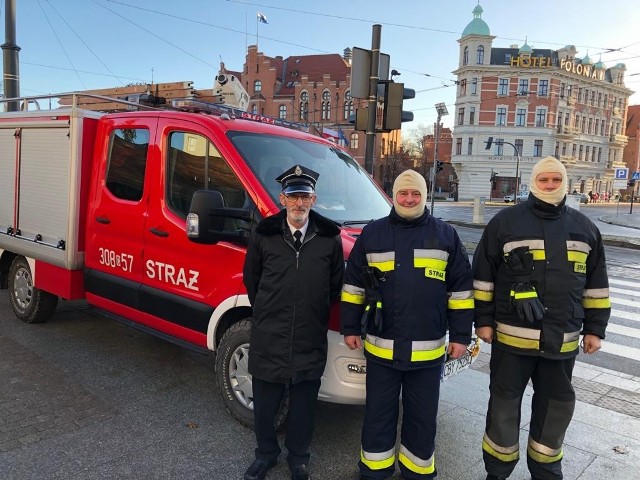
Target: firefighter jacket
(569, 275)
(291, 294)
(426, 287)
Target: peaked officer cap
(298, 179)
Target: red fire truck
(97, 206)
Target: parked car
(584, 198)
(522, 196)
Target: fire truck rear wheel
(28, 303)
(233, 378)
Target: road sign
(622, 173)
(636, 176)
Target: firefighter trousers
(551, 410)
(420, 392)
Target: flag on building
(330, 134)
(343, 137)
(262, 18)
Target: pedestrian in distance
(408, 278)
(540, 282)
(293, 271)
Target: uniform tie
(297, 243)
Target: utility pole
(441, 108)
(11, 75)
(373, 98)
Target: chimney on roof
(514, 45)
(346, 54)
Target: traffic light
(394, 94)
(439, 166)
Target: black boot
(258, 469)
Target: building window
(304, 106)
(326, 105)
(564, 148)
(257, 86)
(470, 146)
(463, 87)
(503, 86)
(543, 88)
(577, 122)
(254, 109)
(499, 146)
(592, 100)
(282, 112)
(472, 115)
(521, 117)
(599, 99)
(581, 152)
(574, 148)
(501, 116)
(537, 148)
(523, 86)
(599, 154)
(590, 127)
(557, 151)
(465, 56)
(562, 89)
(480, 55)
(593, 154)
(541, 117)
(519, 143)
(584, 125)
(567, 119)
(354, 141)
(348, 104)
(602, 129)
(474, 86)
(461, 116)
(458, 146)
(587, 151)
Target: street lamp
(441, 108)
(501, 142)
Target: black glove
(526, 302)
(519, 261)
(371, 321)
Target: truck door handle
(104, 220)
(158, 232)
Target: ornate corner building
(539, 102)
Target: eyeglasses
(294, 197)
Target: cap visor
(297, 188)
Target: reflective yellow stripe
(579, 257)
(426, 355)
(521, 295)
(454, 304)
(538, 254)
(518, 342)
(570, 346)
(386, 353)
(504, 457)
(483, 296)
(383, 266)
(377, 461)
(596, 302)
(410, 461)
(352, 298)
(541, 458)
(430, 263)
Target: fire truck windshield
(345, 192)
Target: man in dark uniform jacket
(293, 272)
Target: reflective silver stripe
(499, 449)
(377, 457)
(578, 246)
(419, 345)
(520, 332)
(430, 253)
(352, 289)
(415, 459)
(461, 295)
(571, 336)
(381, 257)
(380, 342)
(543, 449)
(482, 285)
(532, 244)
(596, 293)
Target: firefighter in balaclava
(540, 283)
(408, 278)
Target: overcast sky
(69, 45)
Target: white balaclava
(410, 180)
(549, 165)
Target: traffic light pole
(432, 180)
(373, 99)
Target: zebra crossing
(623, 332)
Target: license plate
(455, 365)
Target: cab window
(127, 163)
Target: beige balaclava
(549, 164)
(410, 180)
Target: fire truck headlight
(193, 225)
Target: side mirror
(208, 219)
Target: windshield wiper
(357, 222)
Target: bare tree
(418, 149)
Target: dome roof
(477, 26)
(587, 60)
(525, 48)
(600, 64)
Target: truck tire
(28, 303)
(233, 378)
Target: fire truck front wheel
(28, 303)
(233, 378)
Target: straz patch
(433, 273)
(580, 267)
